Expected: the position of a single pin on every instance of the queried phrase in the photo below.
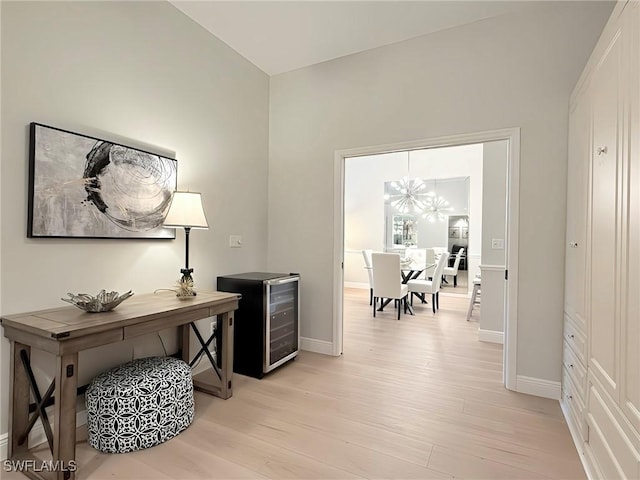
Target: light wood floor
(418, 398)
(462, 285)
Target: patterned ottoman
(139, 404)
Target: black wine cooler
(266, 327)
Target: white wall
(494, 213)
(364, 203)
(516, 70)
(364, 208)
(494, 208)
(140, 72)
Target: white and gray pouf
(139, 404)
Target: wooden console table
(68, 330)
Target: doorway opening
(381, 224)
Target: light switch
(235, 241)
(497, 243)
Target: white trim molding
(491, 336)
(492, 268)
(538, 387)
(4, 445)
(338, 253)
(587, 460)
(317, 346)
(37, 435)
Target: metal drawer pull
(571, 336)
(569, 397)
(601, 150)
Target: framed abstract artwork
(81, 186)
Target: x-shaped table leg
(205, 350)
(40, 403)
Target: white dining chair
(453, 271)
(475, 295)
(432, 261)
(424, 287)
(387, 281)
(439, 250)
(368, 265)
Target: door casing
(512, 135)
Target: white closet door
(630, 401)
(577, 182)
(630, 391)
(604, 206)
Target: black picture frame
(85, 187)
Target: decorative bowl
(103, 302)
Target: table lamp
(186, 212)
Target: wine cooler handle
(280, 281)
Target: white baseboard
(491, 336)
(587, 461)
(538, 387)
(364, 286)
(81, 418)
(316, 346)
(37, 435)
(4, 445)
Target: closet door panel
(603, 335)
(630, 402)
(630, 392)
(604, 421)
(577, 181)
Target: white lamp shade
(186, 211)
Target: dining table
(412, 270)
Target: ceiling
(280, 36)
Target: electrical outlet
(497, 243)
(235, 241)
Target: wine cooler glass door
(282, 335)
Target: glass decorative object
(103, 302)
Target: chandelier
(409, 195)
(436, 208)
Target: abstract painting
(80, 186)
